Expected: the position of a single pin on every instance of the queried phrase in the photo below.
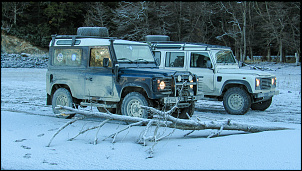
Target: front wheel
(236, 101)
(262, 106)
(62, 97)
(131, 105)
(182, 113)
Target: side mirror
(105, 62)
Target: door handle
(89, 78)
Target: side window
(157, 57)
(97, 56)
(175, 59)
(200, 60)
(67, 57)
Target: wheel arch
(53, 90)
(136, 87)
(236, 83)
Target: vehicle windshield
(133, 53)
(225, 56)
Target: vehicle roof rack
(181, 44)
(74, 37)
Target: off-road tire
(93, 31)
(181, 113)
(262, 106)
(131, 105)
(62, 97)
(236, 101)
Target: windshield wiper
(123, 59)
(141, 59)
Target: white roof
(96, 42)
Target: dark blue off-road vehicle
(92, 69)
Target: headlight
(257, 82)
(161, 85)
(274, 81)
(191, 86)
(190, 78)
(179, 78)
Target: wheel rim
(62, 100)
(235, 101)
(134, 109)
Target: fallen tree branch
(64, 126)
(177, 123)
(160, 119)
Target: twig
(64, 126)
(103, 123)
(127, 127)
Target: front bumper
(268, 94)
(173, 100)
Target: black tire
(130, 105)
(93, 31)
(262, 106)
(181, 113)
(236, 101)
(62, 97)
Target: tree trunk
(297, 58)
(244, 30)
(269, 53)
(251, 54)
(172, 122)
(280, 51)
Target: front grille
(266, 83)
(186, 90)
(200, 85)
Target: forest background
(250, 28)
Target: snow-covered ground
(27, 125)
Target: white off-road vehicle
(219, 75)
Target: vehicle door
(201, 65)
(99, 77)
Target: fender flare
(142, 85)
(241, 82)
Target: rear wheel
(262, 106)
(62, 97)
(131, 105)
(236, 101)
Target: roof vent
(93, 31)
(157, 38)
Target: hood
(244, 71)
(154, 72)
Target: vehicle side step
(98, 105)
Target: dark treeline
(248, 27)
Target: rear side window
(175, 59)
(67, 57)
